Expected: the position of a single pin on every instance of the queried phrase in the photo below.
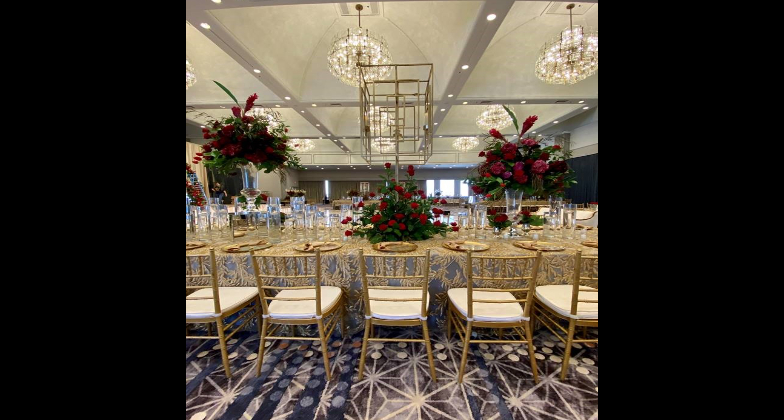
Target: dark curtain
(586, 170)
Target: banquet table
(340, 267)
(337, 203)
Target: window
(326, 188)
(463, 189)
(447, 188)
(431, 187)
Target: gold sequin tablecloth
(340, 268)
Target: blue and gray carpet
(497, 384)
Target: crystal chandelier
(570, 57)
(494, 116)
(272, 117)
(358, 45)
(302, 145)
(383, 145)
(377, 120)
(465, 144)
(190, 74)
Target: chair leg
(372, 330)
(368, 326)
(531, 355)
(324, 349)
(260, 357)
(567, 350)
(224, 350)
(449, 322)
(466, 344)
(429, 351)
(209, 328)
(343, 321)
(500, 333)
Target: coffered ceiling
(287, 42)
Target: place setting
(194, 245)
(395, 246)
(539, 246)
(247, 246)
(321, 246)
(465, 246)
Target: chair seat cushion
(303, 309)
(488, 312)
(558, 297)
(230, 298)
(396, 310)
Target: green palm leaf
(508, 111)
(238, 104)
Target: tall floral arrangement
(194, 193)
(242, 139)
(524, 165)
(404, 213)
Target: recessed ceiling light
(201, 126)
(338, 168)
(443, 109)
(329, 134)
(522, 102)
(465, 103)
(449, 96)
(440, 136)
(205, 26)
(436, 124)
(555, 122)
(288, 98)
(302, 112)
(344, 138)
(322, 168)
(223, 106)
(532, 132)
(465, 66)
(580, 102)
(277, 106)
(313, 105)
(491, 16)
(586, 107)
(216, 1)
(318, 125)
(256, 71)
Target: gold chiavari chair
(397, 306)
(577, 304)
(208, 304)
(494, 307)
(318, 305)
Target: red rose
(383, 205)
(455, 228)
(443, 201)
(423, 218)
(503, 185)
(420, 192)
(399, 189)
(435, 201)
(207, 148)
(544, 156)
(488, 195)
(250, 101)
(263, 197)
(270, 150)
(399, 216)
(376, 218)
(372, 195)
(383, 227)
(492, 212)
(407, 195)
(387, 165)
(199, 154)
(349, 233)
(529, 161)
(526, 213)
(557, 147)
(361, 204)
(487, 175)
(501, 218)
(437, 223)
(227, 130)
(509, 156)
(411, 170)
(477, 189)
(207, 135)
(495, 133)
(401, 226)
(482, 154)
(392, 223)
(414, 206)
(453, 223)
(236, 111)
(424, 197)
(437, 211)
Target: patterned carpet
(497, 385)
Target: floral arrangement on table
(294, 192)
(498, 220)
(244, 139)
(262, 199)
(352, 193)
(405, 214)
(195, 194)
(525, 217)
(522, 166)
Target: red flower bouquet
(195, 194)
(525, 165)
(242, 139)
(403, 214)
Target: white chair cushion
(303, 309)
(396, 310)
(230, 298)
(584, 214)
(488, 312)
(559, 298)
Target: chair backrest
(195, 270)
(581, 262)
(393, 267)
(285, 268)
(499, 270)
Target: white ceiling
(288, 41)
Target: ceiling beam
(233, 4)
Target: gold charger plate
(246, 247)
(535, 228)
(239, 234)
(592, 244)
(394, 246)
(193, 245)
(539, 246)
(583, 227)
(322, 246)
(465, 246)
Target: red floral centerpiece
(404, 213)
(195, 194)
(524, 166)
(499, 221)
